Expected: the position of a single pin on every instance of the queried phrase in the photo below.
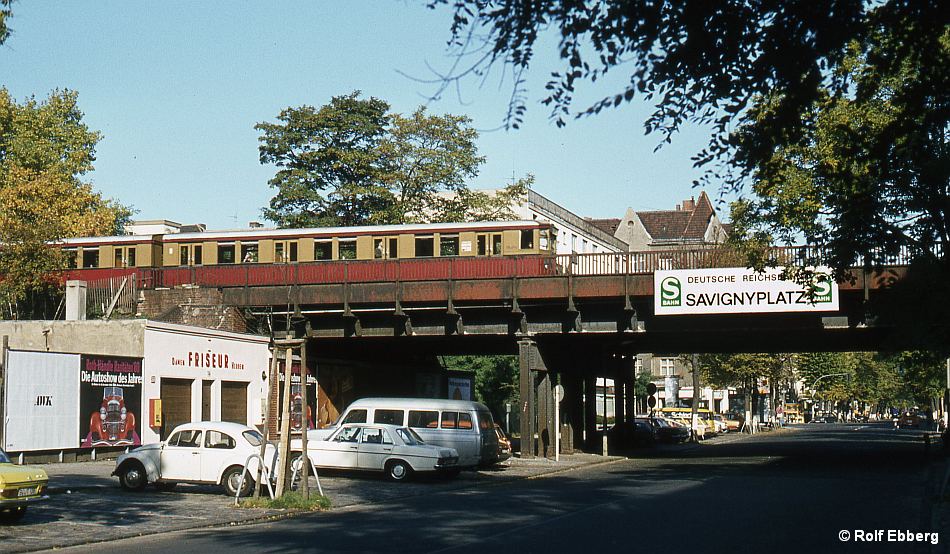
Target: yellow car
(19, 487)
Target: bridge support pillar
(531, 369)
(572, 412)
(628, 378)
(620, 402)
(590, 410)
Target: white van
(459, 424)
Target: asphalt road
(786, 491)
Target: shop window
(390, 417)
(423, 419)
(449, 246)
(90, 257)
(425, 247)
(249, 253)
(323, 250)
(348, 250)
(527, 239)
(225, 253)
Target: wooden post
(284, 444)
(305, 458)
(271, 382)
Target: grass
(290, 501)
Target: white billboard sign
(42, 408)
(738, 291)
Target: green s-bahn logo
(822, 290)
(671, 292)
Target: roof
(680, 224)
(606, 225)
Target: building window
(226, 253)
(667, 367)
(323, 250)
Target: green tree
(45, 148)
(496, 379)
(5, 14)
(351, 162)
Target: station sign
(740, 291)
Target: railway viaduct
(580, 318)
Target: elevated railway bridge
(570, 318)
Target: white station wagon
(210, 452)
(398, 451)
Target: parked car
(397, 451)
(504, 444)
(212, 452)
(733, 421)
(635, 433)
(669, 431)
(460, 424)
(20, 486)
(720, 422)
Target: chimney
(689, 205)
(255, 225)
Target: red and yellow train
(271, 256)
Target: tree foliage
(351, 162)
(45, 148)
(5, 14)
(496, 379)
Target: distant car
(397, 451)
(211, 452)
(504, 444)
(636, 433)
(669, 431)
(909, 419)
(733, 421)
(720, 422)
(20, 486)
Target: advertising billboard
(739, 291)
(296, 391)
(42, 411)
(110, 401)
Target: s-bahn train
(249, 257)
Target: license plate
(30, 491)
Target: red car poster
(110, 401)
(296, 406)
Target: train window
(183, 258)
(323, 250)
(496, 245)
(378, 251)
(449, 245)
(226, 253)
(249, 252)
(348, 250)
(118, 258)
(482, 245)
(70, 254)
(527, 239)
(130, 256)
(197, 250)
(279, 253)
(90, 257)
(425, 247)
(544, 239)
(293, 251)
(393, 247)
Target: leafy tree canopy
(496, 379)
(44, 150)
(351, 162)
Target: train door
(489, 244)
(285, 251)
(385, 247)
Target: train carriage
(181, 255)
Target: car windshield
(409, 436)
(253, 437)
(4, 459)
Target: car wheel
(13, 515)
(398, 470)
(133, 477)
(232, 480)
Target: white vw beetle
(398, 451)
(212, 452)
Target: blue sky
(177, 87)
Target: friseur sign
(739, 291)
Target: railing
(449, 268)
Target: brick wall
(192, 306)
